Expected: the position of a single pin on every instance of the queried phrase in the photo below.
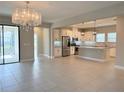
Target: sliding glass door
(10, 44)
(1, 46)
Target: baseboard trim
(27, 60)
(93, 59)
(119, 67)
(45, 55)
(52, 57)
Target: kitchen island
(93, 53)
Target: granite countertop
(93, 47)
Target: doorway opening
(41, 42)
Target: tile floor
(61, 74)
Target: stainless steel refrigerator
(65, 46)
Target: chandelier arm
(26, 17)
(27, 4)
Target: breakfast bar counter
(93, 53)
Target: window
(100, 37)
(111, 37)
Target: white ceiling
(97, 23)
(53, 11)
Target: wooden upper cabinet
(57, 34)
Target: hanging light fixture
(94, 32)
(26, 17)
(82, 34)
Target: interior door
(1, 46)
(11, 44)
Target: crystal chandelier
(26, 17)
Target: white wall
(120, 41)
(46, 41)
(39, 33)
(26, 45)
